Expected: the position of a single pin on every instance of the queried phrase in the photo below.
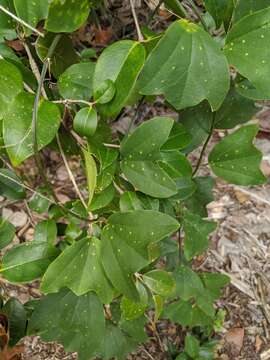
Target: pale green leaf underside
(186, 66)
(236, 159)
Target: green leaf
(79, 268)
(202, 196)
(246, 89)
(63, 56)
(91, 174)
(186, 66)
(125, 242)
(188, 283)
(247, 48)
(76, 82)
(121, 63)
(197, 231)
(31, 12)
(66, 15)
(175, 6)
(140, 158)
(192, 346)
(17, 127)
(176, 164)
(132, 310)
(7, 25)
(27, 261)
(178, 139)
(214, 282)
(221, 11)
(117, 344)
(11, 84)
(248, 7)
(186, 314)
(46, 231)
(134, 328)
(17, 320)
(40, 203)
(77, 322)
(105, 92)
(103, 198)
(159, 282)
(236, 159)
(159, 305)
(11, 185)
(105, 177)
(7, 233)
(130, 201)
(85, 121)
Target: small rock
(62, 173)
(17, 218)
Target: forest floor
(240, 247)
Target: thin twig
(70, 174)
(140, 35)
(198, 14)
(205, 144)
(115, 146)
(21, 21)
(34, 67)
(71, 101)
(135, 115)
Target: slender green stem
(198, 14)
(205, 144)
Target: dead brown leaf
(235, 338)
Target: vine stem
(140, 35)
(73, 101)
(21, 21)
(205, 144)
(35, 113)
(198, 14)
(70, 174)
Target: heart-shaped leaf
(159, 282)
(79, 268)
(186, 66)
